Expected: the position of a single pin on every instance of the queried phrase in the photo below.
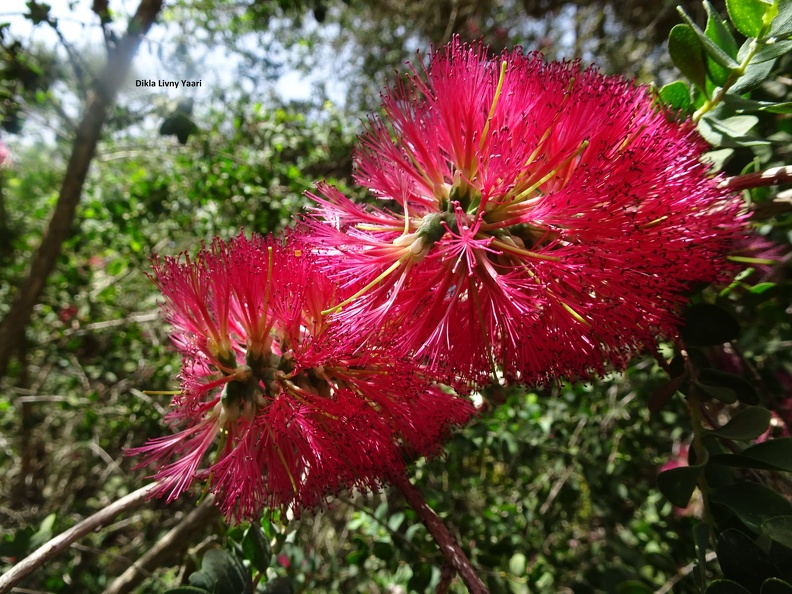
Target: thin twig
(683, 573)
(61, 542)
(174, 541)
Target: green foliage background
(549, 490)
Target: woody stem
(448, 546)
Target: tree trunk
(89, 130)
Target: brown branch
(170, 545)
(87, 136)
(771, 177)
(445, 541)
(61, 542)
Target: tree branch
(61, 542)
(173, 543)
(86, 138)
(445, 541)
(771, 177)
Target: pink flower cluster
(537, 218)
(295, 415)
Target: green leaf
(383, 550)
(776, 586)
(725, 587)
(722, 393)
(356, 557)
(518, 564)
(660, 397)
(742, 560)
(44, 533)
(422, 575)
(222, 573)
(779, 529)
(761, 288)
(701, 534)
(711, 48)
(777, 452)
(678, 484)
(749, 423)
(705, 324)
(752, 503)
(743, 105)
(755, 74)
(687, 54)
(740, 461)
(395, 521)
(187, 590)
(279, 585)
(256, 548)
(676, 96)
(717, 379)
(781, 26)
(747, 15)
(718, 31)
(730, 132)
(633, 587)
(771, 51)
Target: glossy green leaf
(777, 452)
(747, 15)
(748, 423)
(678, 484)
(740, 461)
(752, 503)
(776, 586)
(222, 573)
(187, 590)
(687, 54)
(723, 393)
(256, 548)
(717, 379)
(725, 587)
(779, 529)
(742, 560)
(762, 288)
(705, 324)
(676, 96)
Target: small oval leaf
(776, 586)
(779, 529)
(749, 423)
(687, 54)
(746, 15)
(752, 503)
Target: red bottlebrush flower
(296, 417)
(539, 217)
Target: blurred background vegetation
(550, 490)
